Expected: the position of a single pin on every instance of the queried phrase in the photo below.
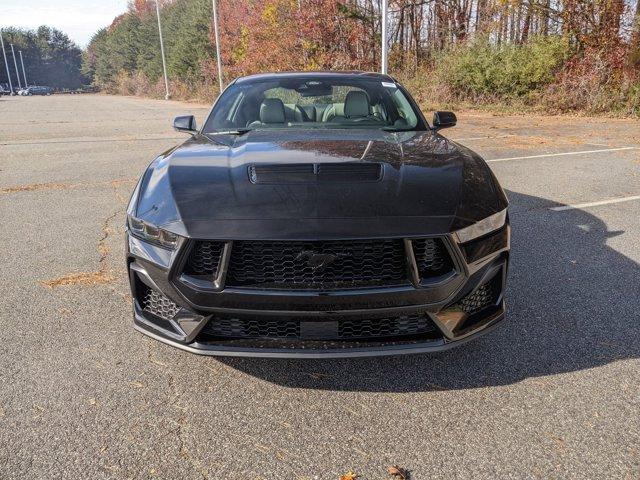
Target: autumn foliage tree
(436, 45)
(287, 35)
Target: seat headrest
(357, 104)
(272, 111)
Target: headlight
(488, 225)
(151, 233)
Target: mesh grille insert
(317, 265)
(386, 327)
(432, 257)
(155, 303)
(204, 259)
(407, 325)
(482, 297)
(236, 328)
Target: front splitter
(346, 352)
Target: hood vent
(344, 172)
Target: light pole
(6, 64)
(15, 64)
(215, 30)
(384, 36)
(164, 63)
(23, 74)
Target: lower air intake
(336, 329)
(482, 297)
(155, 303)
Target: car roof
(323, 74)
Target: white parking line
(595, 204)
(563, 154)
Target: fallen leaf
(349, 476)
(37, 186)
(397, 472)
(83, 278)
(261, 448)
(157, 362)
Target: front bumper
(155, 269)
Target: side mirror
(186, 123)
(444, 120)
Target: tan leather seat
(332, 111)
(271, 113)
(356, 106)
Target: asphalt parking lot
(553, 393)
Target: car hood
(427, 185)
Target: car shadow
(572, 302)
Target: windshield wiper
(239, 131)
(391, 128)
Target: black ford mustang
(317, 214)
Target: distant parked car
(89, 89)
(36, 91)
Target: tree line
(569, 54)
(50, 58)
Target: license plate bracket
(320, 329)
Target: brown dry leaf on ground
(397, 472)
(37, 186)
(102, 276)
(349, 476)
(64, 186)
(91, 278)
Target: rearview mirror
(186, 123)
(444, 120)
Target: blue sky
(77, 18)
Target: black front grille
(204, 259)
(335, 329)
(432, 257)
(317, 265)
(155, 303)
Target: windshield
(313, 102)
